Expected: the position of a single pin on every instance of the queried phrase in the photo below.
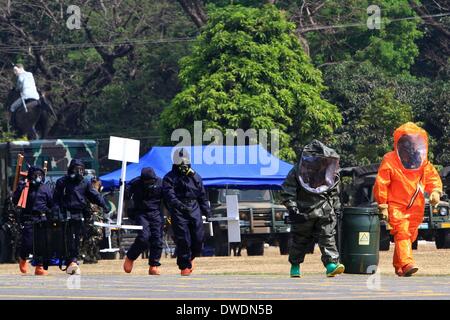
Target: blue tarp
(243, 167)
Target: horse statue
(34, 119)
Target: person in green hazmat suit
(311, 195)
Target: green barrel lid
(361, 210)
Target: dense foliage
(309, 68)
(245, 73)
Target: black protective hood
(33, 169)
(181, 156)
(317, 148)
(318, 167)
(148, 174)
(74, 163)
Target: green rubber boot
(295, 271)
(334, 269)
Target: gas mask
(37, 178)
(76, 173)
(412, 151)
(185, 169)
(181, 162)
(317, 174)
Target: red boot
(40, 271)
(128, 265)
(23, 265)
(154, 271)
(186, 272)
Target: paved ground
(261, 277)
(172, 287)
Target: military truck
(261, 217)
(58, 153)
(358, 192)
(445, 175)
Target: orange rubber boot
(399, 272)
(409, 270)
(23, 265)
(40, 271)
(128, 265)
(186, 272)
(154, 271)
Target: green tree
(393, 47)
(377, 123)
(248, 70)
(110, 62)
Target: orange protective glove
(384, 211)
(435, 197)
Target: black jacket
(146, 198)
(72, 195)
(180, 189)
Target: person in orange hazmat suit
(403, 177)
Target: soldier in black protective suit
(146, 193)
(311, 195)
(186, 200)
(71, 197)
(35, 199)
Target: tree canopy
(248, 70)
(310, 68)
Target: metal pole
(122, 190)
(109, 241)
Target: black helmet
(181, 162)
(76, 169)
(36, 175)
(181, 156)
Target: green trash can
(360, 241)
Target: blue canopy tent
(241, 167)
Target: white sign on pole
(234, 230)
(122, 149)
(232, 219)
(125, 150)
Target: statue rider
(27, 88)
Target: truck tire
(255, 248)
(221, 249)
(415, 244)
(284, 242)
(442, 239)
(220, 243)
(385, 239)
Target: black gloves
(295, 216)
(293, 211)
